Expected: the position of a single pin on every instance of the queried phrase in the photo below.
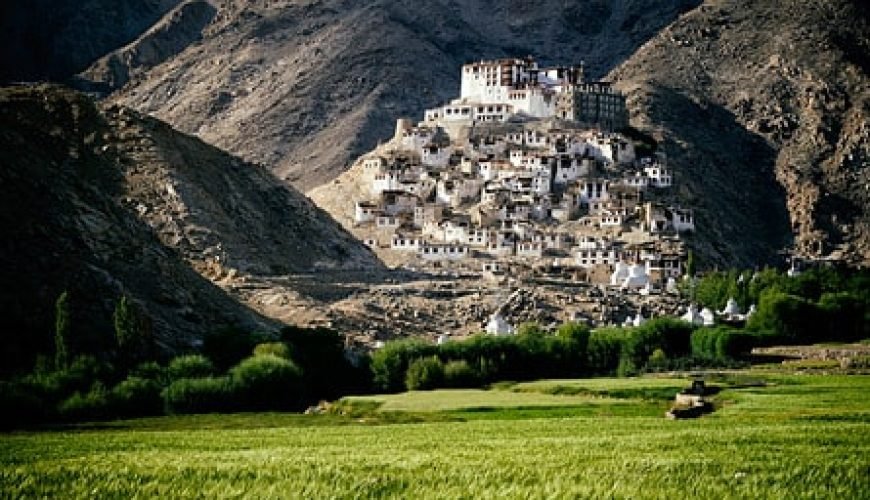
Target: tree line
(237, 370)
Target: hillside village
(526, 168)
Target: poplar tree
(125, 322)
(62, 325)
(132, 330)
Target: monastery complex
(529, 168)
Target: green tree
(132, 330)
(691, 264)
(279, 349)
(267, 382)
(425, 374)
(62, 325)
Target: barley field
(800, 436)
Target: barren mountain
(176, 30)
(764, 108)
(104, 202)
(54, 39)
(306, 86)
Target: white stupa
(639, 319)
(731, 309)
(620, 272)
(498, 326)
(751, 311)
(692, 316)
(707, 317)
(637, 277)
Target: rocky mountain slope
(764, 108)
(307, 86)
(104, 202)
(54, 39)
(179, 28)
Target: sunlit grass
(804, 436)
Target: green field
(800, 436)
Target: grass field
(802, 436)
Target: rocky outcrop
(764, 109)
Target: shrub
(721, 343)
(199, 395)
(425, 374)
(150, 370)
(792, 318)
(658, 359)
(327, 371)
(459, 374)
(93, 405)
(267, 382)
(847, 317)
(670, 335)
(135, 397)
(278, 349)
(227, 346)
(574, 339)
(530, 328)
(390, 363)
(56, 386)
(190, 366)
(604, 350)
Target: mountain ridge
(307, 87)
(102, 202)
(755, 72)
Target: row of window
(444, 250)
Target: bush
(670, 335)
(459, 374)
(604, 350)
(150, 370)
(56, 386)
(227, 346)
(721, 344)
(574, 339)
(136, 397)
(794, 319)
(425, 374)
(278, 349)
(847, 317)
(326, 369)
(267, 382)
(93, 405)
(190, 366)
(199, 395)
(389, 364)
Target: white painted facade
(589, 258)
(591, 191)
(659, 176)
(434, 251)
(389, 180)
(406, 243)
(682, 220)
(365, 212)
(435, 156)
